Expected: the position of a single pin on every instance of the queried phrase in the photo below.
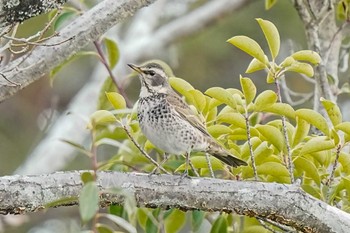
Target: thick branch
(16, 11)
(285, 204)
(79, 33)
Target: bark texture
(285, 204)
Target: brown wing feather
(186, 112)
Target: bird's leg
(209, 165)
(193, 168)
(185, 174)
(166, 157)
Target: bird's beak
(136, 68)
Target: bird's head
(154, 78)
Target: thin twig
(284, 228)
(250, 146)
(331, 176)
(112, 76)
(209, 165)
(290, 165)
(143, 151)
(267, 227)
(193, 168)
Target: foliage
(279, 143)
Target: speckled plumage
(169, 123)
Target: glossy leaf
(288, 61)
(344, 160)
(113, 52)
(218, 130)
(309, 168)
(269, 4)
(201, 162)
(270, 78)
(272, 135)
(248, 88)
(272, 36)
(197, 219)
(63, 19)
(302, 68)
(220, 225)
(222, 95)
(151, 224)
(255, 65)
(199, 99)
(265, 99)
(333, 111)
(316, 144)
(249, 46)
(307, 55)
(314, 118)
(180, 85)
(345, 127)
(116, 99)
(88, 201)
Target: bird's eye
(152, 73)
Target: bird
(169, 123)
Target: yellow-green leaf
(272, 36)
(88, 201)
(199, 99)
(302, 130)
(345, 127)
(255, 65)
(270, 78)
(249, 46)
(307, 55)
(248, 88)
(309, 168)
(220, 225)
(314, 118)
(201, 162)
(273, 169)
(175, 221)
(269, 4)
(315, 144)
(101, 117)
(265, 99)
(281, 109)
(272, 135)
(112, 51)
(222, 95)
(180, 85)
(116, 99)
(232, 118)
(333, 111)
(288, 61)
(302, 68)
(218, 130)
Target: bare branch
(284, 204)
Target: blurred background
(204, 59)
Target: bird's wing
(186, 113)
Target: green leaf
(344, 160)
(302, 68)
(265, 99)
(78, 147)
(272, 135)
(180, 85)
(302, 130)
(270, 78)
(288, 61)
(218, 130)
(233, 118)
(220, 225)
(200, 101)
(116, 99)
(88, 201)
(113, 52)
(87, 177)
(151, 223)
(197, 219)
(248, 88)
(175, 221)
(309, 167)
(62, 19)
(345, 127)
(282, 109)
(272, 36)
(273, 169)
(222, 95)
(255, 65)
(119, 222)
(249, 46)
(316, 144)
(142, 216)
(262, 152)
(333, 111)
(65, 201)
(307, 55)
(269, 4)
(101, 117)
(314, 118)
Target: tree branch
(285, 204)
(80, 32)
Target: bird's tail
(220, 153)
